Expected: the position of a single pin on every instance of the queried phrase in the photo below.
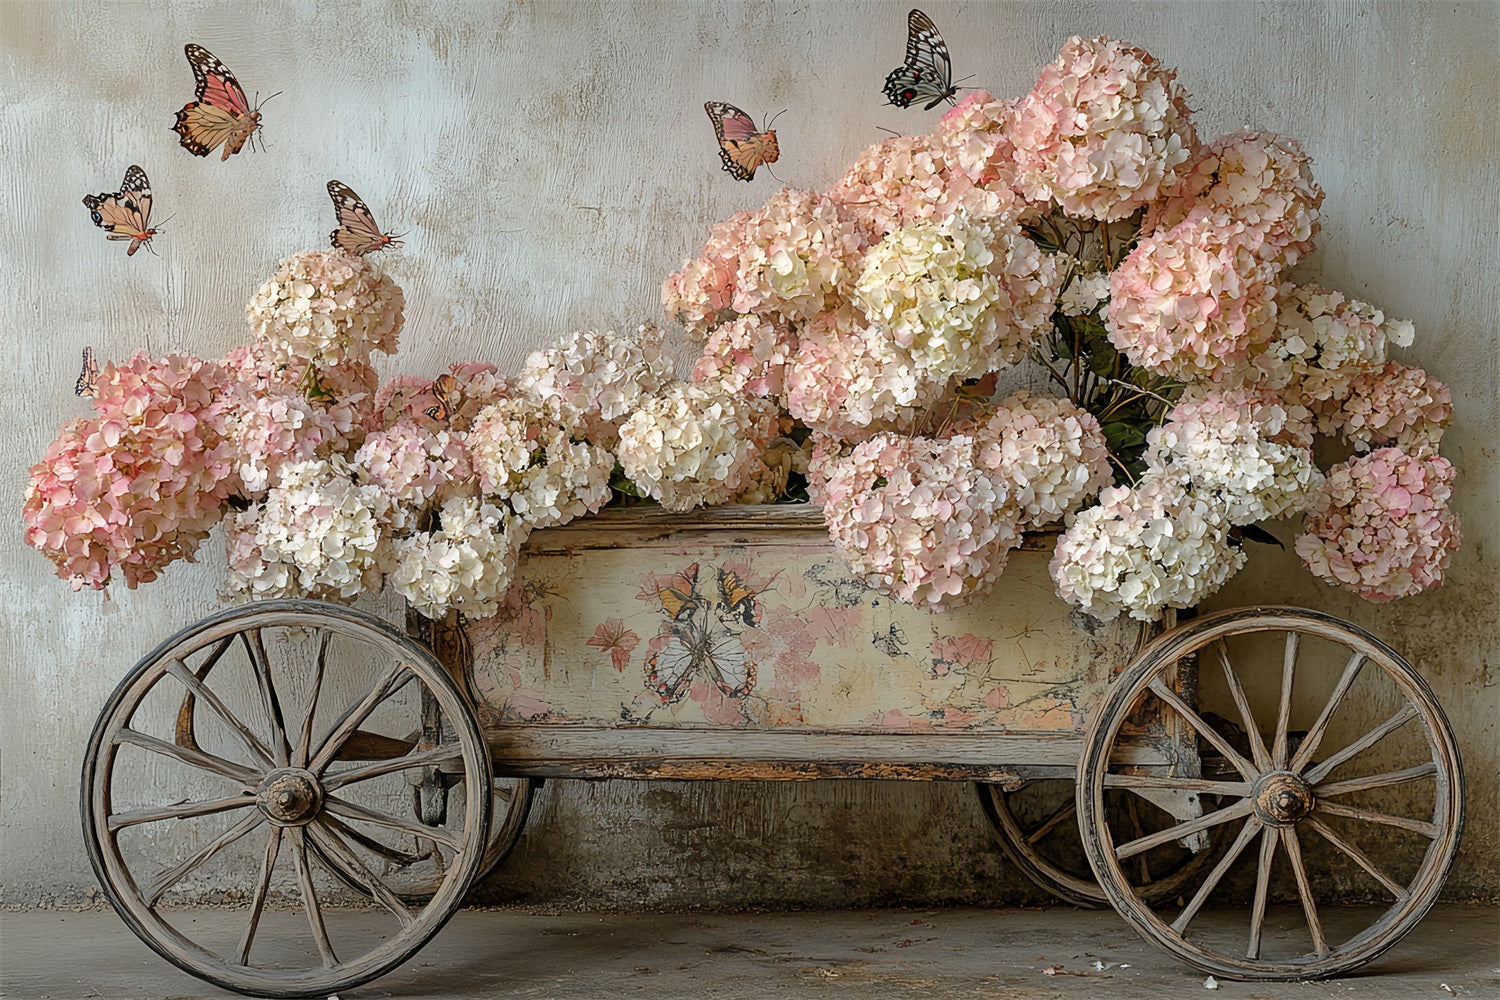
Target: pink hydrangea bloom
(1397, 405)
(1195, 301)
(975, 139)
(1259, 179)
(1051, 454)
(141, 484)
(1105, 131)
(747, 355)
(916, 517)
(411, 464)
(1381, 526)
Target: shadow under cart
(307, 762)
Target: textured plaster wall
(552, 163)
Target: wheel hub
(290, 796)
(1283, 799)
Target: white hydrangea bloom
(1144, 550)
(689, 447)
(591, 380)
(316, 534)
(467, 564)
(531, 462)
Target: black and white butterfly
(927, 74)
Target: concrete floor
(1455, 951)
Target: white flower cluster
(928, 288)
(1219, 448)
(1083, 294)
(590, 380)
(468, 563)
(1144, 550)
(1323, 340)
(326, 308)
(687, 446)
(532, 463)
(316, 534)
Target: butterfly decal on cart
(927, 73)
(125, 214)
(357, 233)
(700, 637)
(220, 114)
(742, 146)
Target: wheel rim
(1036, 825)
(1341, 755)
(283, 734)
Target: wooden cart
(316, 758)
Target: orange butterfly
(739, 599)
(742, 147)
(678, 593)
(357, 232)
(126, 214)
(445, 388)
(221, 114)
(87, 385)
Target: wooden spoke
(1369, 781)
(310, 898)
(1166, 694)
(1062, 812)
(184, 734)
(1238, 789)
(1258, 750)
(195, 758)
(255, 648)
(1284, 706)
(1428, 830)
(182, 810)
(395, 679)
(437, 755)
(258, 901)
(304, 738)
(1359, 857)
(1247, 834)
(325, 833)
(349, 810)
(1268, 840)
(174, 875)
(1304, 889)
(1232, 812)
(1362, 744)
(1315, 734)
(257, 749)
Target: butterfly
(741, 146)
(678, 593)
(221, 113)
(126, 214)
(927, 74)
(445, 388)
(87, 385)
(357, 232)
(691, 650)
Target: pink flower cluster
(139, 485)
(1394, 405)
(1105, 131)
(1381, 526)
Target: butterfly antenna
(259, 102)
(892, 131)
(777, 115)
(160, 226)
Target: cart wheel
(1036, 825)
(287, 732)
(415, 871)
(1346, 756)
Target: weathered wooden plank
(687, 754)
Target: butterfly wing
(678, 593)
(927, 73)
(669, 671)
(738, 598)
(742, 147)
(126, 214)
(221, 114)
(730, 666)
(87, 385)
(357, 232)
(445, 388)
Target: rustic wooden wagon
(319, 759)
